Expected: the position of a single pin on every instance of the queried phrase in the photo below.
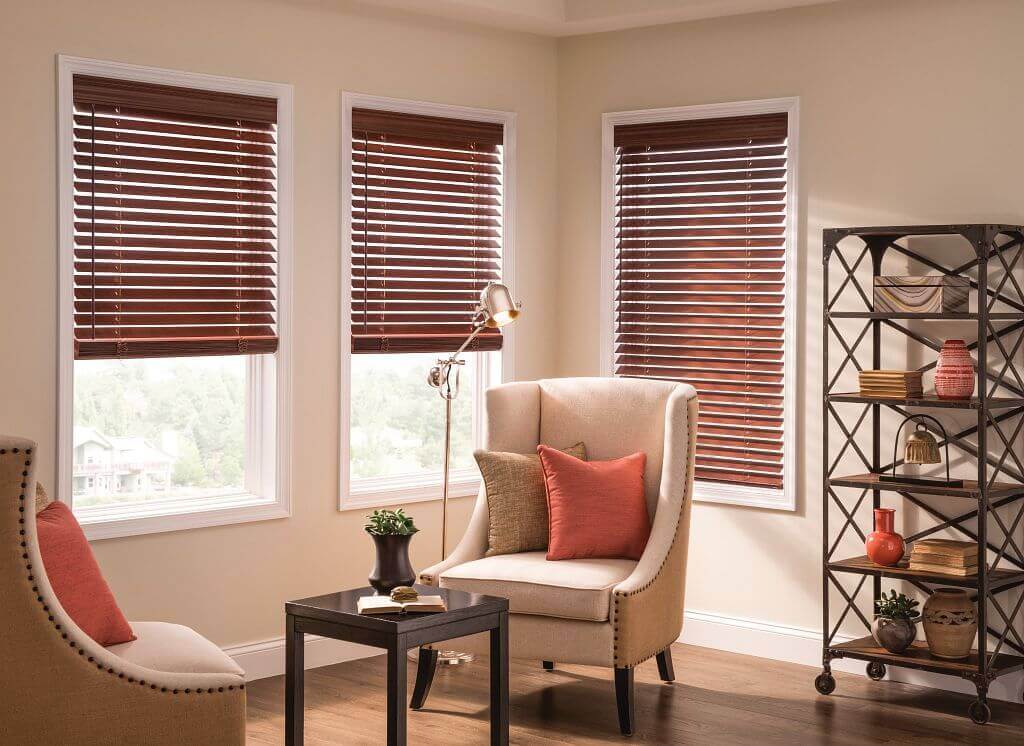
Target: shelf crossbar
(850, 521)
(849, 435)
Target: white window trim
(758, 497)
(421, 488)
(269, 464)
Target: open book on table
(384, 605)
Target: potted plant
(391, 531)
(895, 625)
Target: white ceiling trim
(575, 17)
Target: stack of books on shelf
(891, 384)
(945, 557)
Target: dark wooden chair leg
(625, 700)
(424, 676)
(665, 670)
(548, 665)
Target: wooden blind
(700, 233)
(426, 230)
(175, 221)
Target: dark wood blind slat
(701, 221)
(173, 100)
(425, 230)
(175, 241)
(396, 125)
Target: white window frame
(377, 492)
(268, 377)
(747, 495)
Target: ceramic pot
(950, 623)
(954, 375)
(895, 635)
(392, 567)
(884, 546)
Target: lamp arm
(469, 340)
(915, 417)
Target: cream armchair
(614, 613)
(168, 687)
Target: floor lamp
(496, 309)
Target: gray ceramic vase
(895, 635)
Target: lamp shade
(921, 447)
(498, 306)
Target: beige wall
(231, 582)
(910, 113)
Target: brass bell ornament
(921, 448)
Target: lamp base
(454, 658)
(446, 657)
(922, 481)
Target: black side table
(335, 615)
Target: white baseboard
(803, 646)
(261, 660)
(705, 629)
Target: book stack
(891, 384)
(945, 557)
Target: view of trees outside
(158, 428)
(398, 418)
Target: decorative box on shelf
(922, 294)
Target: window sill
(751, 497)
(385, 492)
(114, 522)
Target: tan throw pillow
(516, 504)
(42, 499)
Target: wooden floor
(718, 698)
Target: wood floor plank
(718, 698)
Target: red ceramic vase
(884, 546)
(954, 375)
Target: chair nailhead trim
(689, 475)
(56, 625)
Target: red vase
(954, 375)
(884, 546)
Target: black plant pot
(392, 568)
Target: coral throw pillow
(76, 578)
(596, 509)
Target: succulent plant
(390, 523)
(896, 606)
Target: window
(174, 260)
(699, 214)
(425, 210)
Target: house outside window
(175, 217)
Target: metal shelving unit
(993, 502)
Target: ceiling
(571, 17)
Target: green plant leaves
(390, 523)
(896, 606)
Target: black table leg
(293, 703)
(499, 682)
(397, 686)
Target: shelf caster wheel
(876, 671)
(980, 712)
(825, 683)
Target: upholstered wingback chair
(168, 687)
(614, 612)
